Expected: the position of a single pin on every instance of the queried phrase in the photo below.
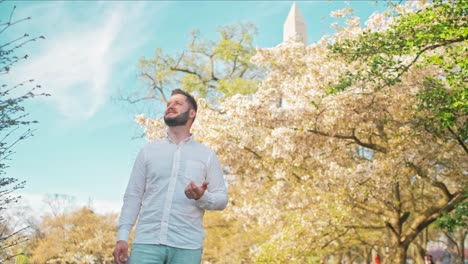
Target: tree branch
(353, 137)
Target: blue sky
(83, 144)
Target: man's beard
(178, 120)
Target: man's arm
(215, 197)
(130, 208)
(132, 198)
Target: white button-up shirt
(155, 193)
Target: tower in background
(295, 27)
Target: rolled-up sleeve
(133, 197)
(215, 197)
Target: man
(173, 182)
(428, 259)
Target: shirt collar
(185, 141)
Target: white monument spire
(295, 26)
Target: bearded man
(173, 182)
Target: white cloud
(76, 69)
(82, 52)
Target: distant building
(294, 27)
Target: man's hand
(121, 252)
(192, 191)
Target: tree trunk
(461, 246)
(337, 259)
(456, 245)
(397, 254)
(417, 249)
(347, 258)
(369, 258)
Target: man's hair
(190, 98)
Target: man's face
(178, 111)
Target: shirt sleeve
(215, 197)
(132, 198)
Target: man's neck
(178, 133)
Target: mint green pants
(161, 254)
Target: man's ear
(192, 113)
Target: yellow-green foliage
(80, 236)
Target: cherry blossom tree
(334, 160)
